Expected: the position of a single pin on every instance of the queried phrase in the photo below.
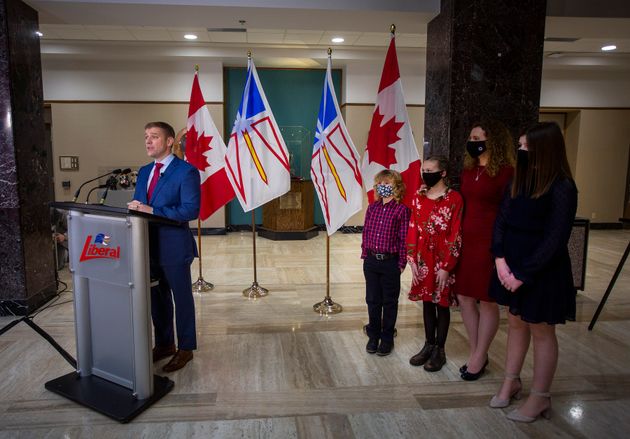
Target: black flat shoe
(464, 368)
(469, 376)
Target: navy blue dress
(532, 235)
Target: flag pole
(200, 285)
(255, 291)
(327, 306)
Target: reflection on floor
(274, 368)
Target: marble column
(27, 269)
(484, 60)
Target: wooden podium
(290, 217)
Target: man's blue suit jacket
(176, 196)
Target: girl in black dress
(533, 270)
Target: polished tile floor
(273, 368)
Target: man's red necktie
(154, 180)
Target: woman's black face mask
(476, 147)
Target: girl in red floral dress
(433, 243)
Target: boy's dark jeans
(382, 288)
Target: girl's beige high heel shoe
(515, 415)
(498, 403)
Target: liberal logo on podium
(99, 248)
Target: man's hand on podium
(137, 205)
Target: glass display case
(299, 141)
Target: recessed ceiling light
(609, 48)
(190, 36)
(338, 40)
(38, 33)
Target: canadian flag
(390, 143)
(205, 150)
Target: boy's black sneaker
(385, 348)
(372, 345)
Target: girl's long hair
(499, 144)
(547, 161)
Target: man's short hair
(168, 130)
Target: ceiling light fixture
(609, 48)
(337, 40)
(190, 36)
(38, 33)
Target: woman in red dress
(433, 243)
(488, 169)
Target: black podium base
(294, 235)
(105, 397)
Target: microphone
(109, 184)
(100, 186)
(125, 171)
(76, 194)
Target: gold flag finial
(249, 54)
(329, 52)
(196, 68)
(392, 28)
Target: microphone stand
(100, 186)
(76, 194)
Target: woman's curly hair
(500, 147)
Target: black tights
(436, 320)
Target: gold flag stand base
(327, 306)
(201, 286)
(255, 291)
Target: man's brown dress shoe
(178, 361)
(161, 352)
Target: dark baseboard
(351, 229)
(606, 226)
(211, 231)
(294, 235)
(248, 227)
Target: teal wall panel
(293, 96)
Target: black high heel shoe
(469, 376)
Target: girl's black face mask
(431, 178)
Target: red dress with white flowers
(433, 243)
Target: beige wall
(602, 163)
(358, 119)
(110, 135)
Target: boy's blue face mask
(384, 190)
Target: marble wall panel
(484, 60)
(27, 272)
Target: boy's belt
(383, 256)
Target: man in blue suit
(169, 187)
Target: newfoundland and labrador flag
(206, 151)
(390, 143)
(335, 163)
(257, 159)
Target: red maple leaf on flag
(195, 148)
(379, 139)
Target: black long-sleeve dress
(532, 235)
